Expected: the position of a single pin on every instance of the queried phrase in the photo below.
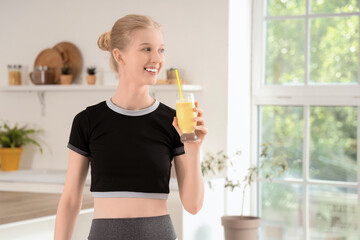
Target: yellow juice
(185, 115)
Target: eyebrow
(150, 44)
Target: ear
(118, 56)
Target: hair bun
(104, 41)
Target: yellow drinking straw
(177, 76)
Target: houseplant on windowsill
(242, 227)
(11, 142)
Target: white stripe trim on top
(128, 112)
(129, 195)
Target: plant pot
(66, 79)
(170, 74)
(240, 227)
(10, 158)
(91, 79)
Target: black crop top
(130, 151)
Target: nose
(157, 57)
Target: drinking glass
(185, 115)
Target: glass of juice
(185, 115)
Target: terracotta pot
(10, 158)
(240, 227)
(66, 79)
(91, 79)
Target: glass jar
(14, 74)
(42, 75)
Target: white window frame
(290, 95)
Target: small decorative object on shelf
(91, 77)
(66, 77)
(14, 73)
(42, 75)
(11, 142)
(171, 76)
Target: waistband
(133, 218)
(129, 195)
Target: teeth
(154, 70)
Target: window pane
(334, 50)
(333, 143)
(333, 213)
(334, 6)
(285, 52)
(283, 128)
(281, 211)
(285, 7)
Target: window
(306, 102)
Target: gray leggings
(140, 228)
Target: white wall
(196, 40)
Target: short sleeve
(79, 135)
(178, 146)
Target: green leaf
(17, 136)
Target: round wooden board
(74, 58)
(52, 58)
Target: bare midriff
(129, 207)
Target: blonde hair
(120, 34)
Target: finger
(196, 104)
(203, 129)
(199, 112)
(199, 120)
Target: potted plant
(66, 77)
(11, 142)
(171, 76)
(242, 227)
(91, 77)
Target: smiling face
(143, 58)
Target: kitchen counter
(20, 206)
(36, 180)
(46, 181)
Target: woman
(130, 141)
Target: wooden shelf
(74, 87)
